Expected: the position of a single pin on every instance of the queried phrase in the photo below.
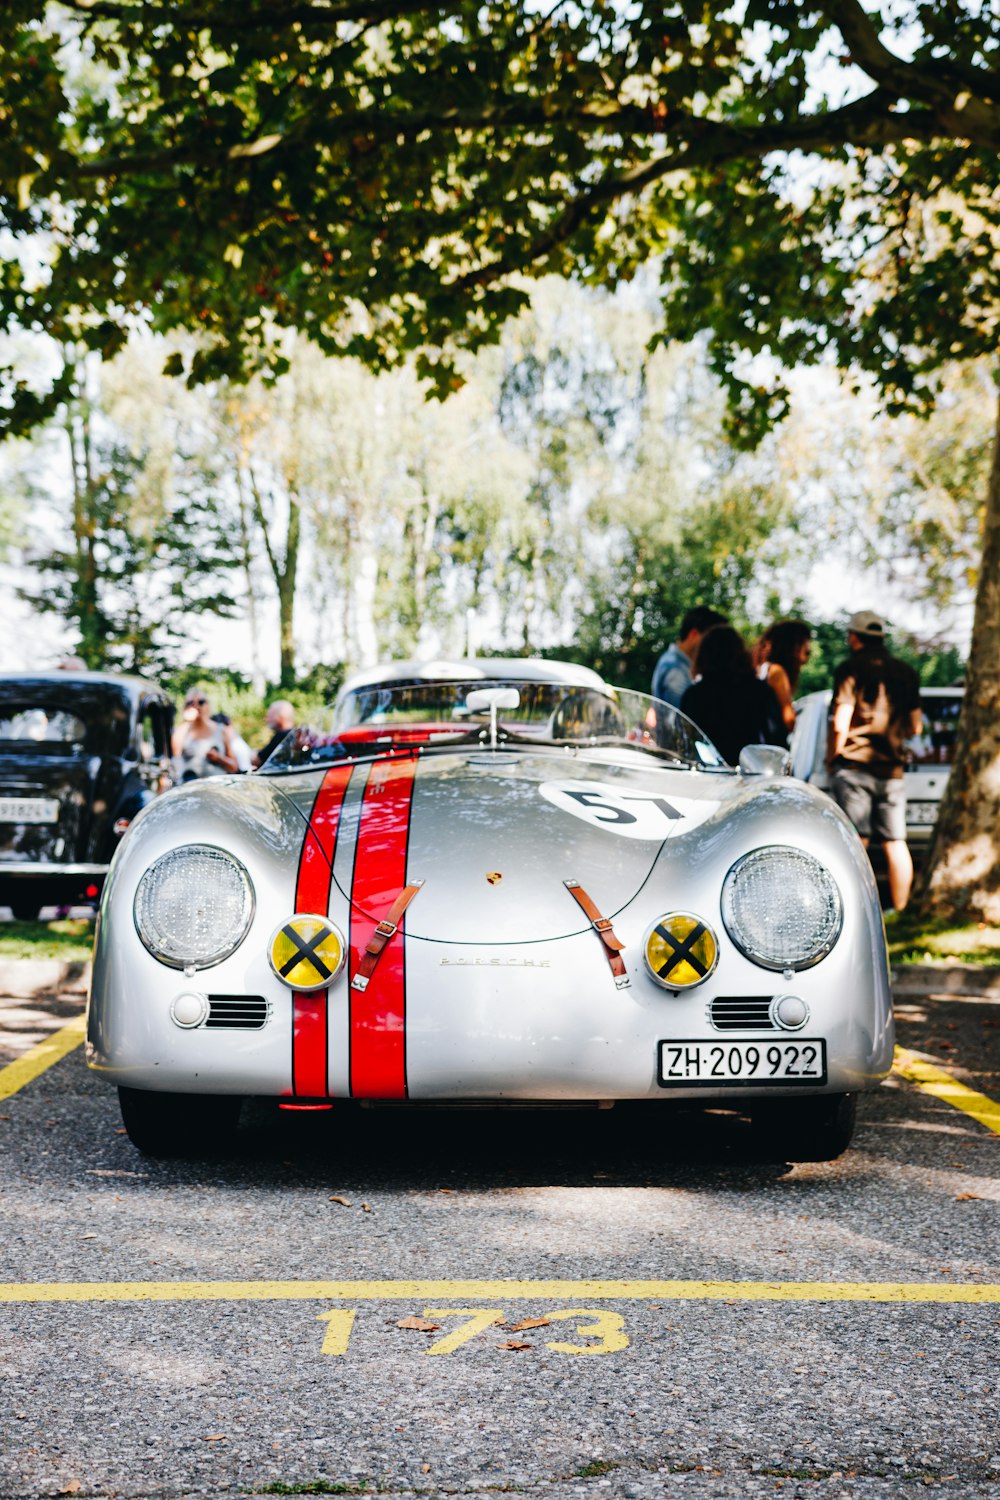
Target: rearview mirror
(481, 699)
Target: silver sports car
(484, 890)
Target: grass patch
(595, 1468)
(71, 939)
(918, 940)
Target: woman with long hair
(779, 657)
(728, 701)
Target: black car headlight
(781, 908)
(193, 906)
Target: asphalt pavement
(299, 1319)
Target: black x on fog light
(307, 952)
(680, 950)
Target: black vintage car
(80, 754)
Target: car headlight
(781, 908)
(193, 906)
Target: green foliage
(377, 174)
(130, 584)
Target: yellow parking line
(415, 1291)
(43, 1055)
(936, 1081)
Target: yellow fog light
(307, 952)
(681, 950)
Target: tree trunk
(85, 608)
(246, 562)
(962, 877)
(286, 581)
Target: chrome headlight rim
(731, 922)
(224, 951)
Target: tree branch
(866, 122)
(936, 85)
(519, 113)
(301, 13)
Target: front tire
(179, 1124)
(819, 1128)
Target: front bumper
(545, 1024)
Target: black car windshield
(78, 717)
(493, 715)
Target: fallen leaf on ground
(366, 1208)
(966, 1197)
(529, 1323)
(73, 1487)
(214, 1437)
(420, 1324)
(425, 1468)
(88, 1236)
(440, 1190)
(344, 1202)
(515, 1344)
(121, 1132)
(4, 1117)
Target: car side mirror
(765, 760)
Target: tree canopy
(821, 179)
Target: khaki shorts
(876, 805)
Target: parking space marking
(942, 1085)
(43, 1055)
(426, 1291)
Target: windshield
(65, 720)
(493, 715)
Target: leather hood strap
(384, 932)
(602, 926)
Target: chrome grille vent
(237, 1012)
(741, 1013)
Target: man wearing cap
(876, 709)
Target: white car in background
(931, 753)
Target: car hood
(494, 836)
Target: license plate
(710, 1064)
(29, 810)
(922, 812)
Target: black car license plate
(686, 1064)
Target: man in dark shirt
(280, 719)
(876, 709)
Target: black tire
(819, 1128)
(179, 1124)
(25, 908)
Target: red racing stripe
(378, 1014)
(310, 1045)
